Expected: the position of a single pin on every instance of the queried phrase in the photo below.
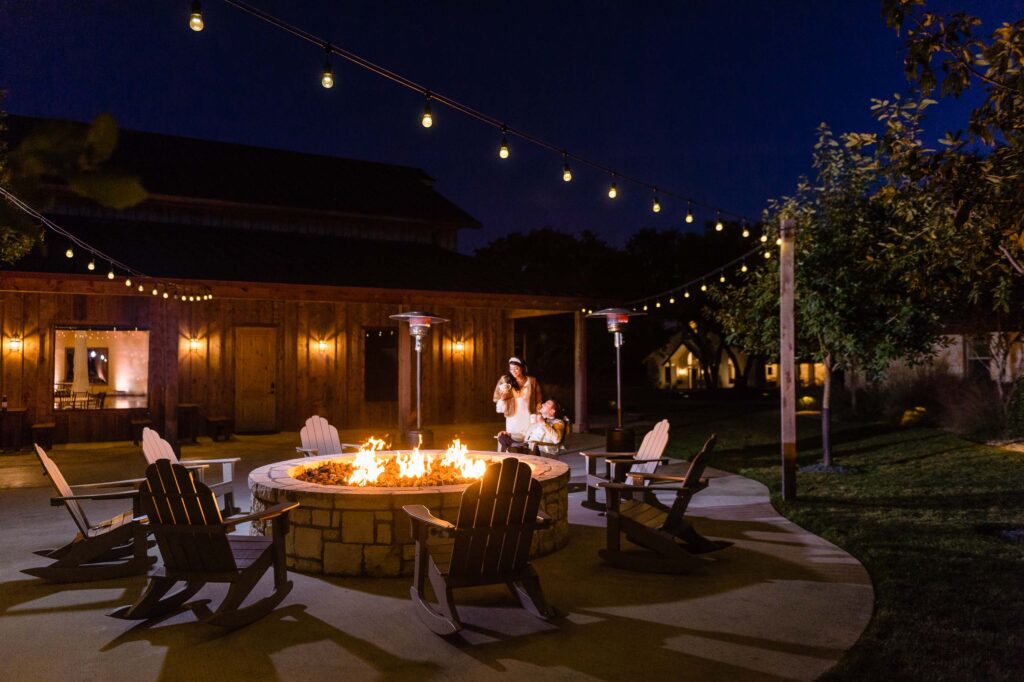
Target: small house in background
(306, 257)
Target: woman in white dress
(517, 395)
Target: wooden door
(255, 379)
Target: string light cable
(433, 96)
(96, 254)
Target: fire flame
(368, 466)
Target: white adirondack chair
(320, 438)
(621, 465)
(154, 447)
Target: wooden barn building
(306, 257)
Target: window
(380, 364)
(100, 368)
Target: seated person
(545, 426)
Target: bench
(218, 427)
(42, 434)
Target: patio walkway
(780, 604)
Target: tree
(58, 154)
(853, 305)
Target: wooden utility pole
(787, 375)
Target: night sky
(715, 100)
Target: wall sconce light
(14, 344)
(193, 344)
(321, 345)
(459, 346)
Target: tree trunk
(826, 409)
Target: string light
(155, 292)
(767, 254)
(657, 304)
(764, 237)
(141, 288)
(686, 294)
(128, 281)
(428, 118)
(645, 307)
(503, 149)
(166, 294)
(778, 241)
(195, 17)
(689, 212)
(671, 301)
(656, 206)
(703, 286)
(721, 278)
(327, 77)
(91, 265)
(111, 275)
(718, 223)
(566, 173)
(613, 190)
(743, 268)
(70, 253)
(746, 230)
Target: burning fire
(414, 468)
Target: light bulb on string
(686, 294)
(503, 149)
(703, 286)
(327, 77)
(166, 294)
(778, 241)
(111, 275)
(671, 301)
(128, 281)
(645, 307)
(767, 254)
(719, 226)
(721, 278)
(91, 265)
(656, 206)
(566, 173)
(70, 253)
(141, 288)
(613, 189)
(743, 268)
(428, 118)
(689, 212)
(657, 304)
(195, 17)
(155, 292)
(764, 237)
(746, 230)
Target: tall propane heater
(618, 439)
(419, 325)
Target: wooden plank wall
(457, 384)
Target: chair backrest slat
(693, 474)
(63, 490)
(652, 447)
(501, 517)
(321, 436)
(512, 556)
(172, 496)
(154, 447)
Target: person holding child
(517, 396)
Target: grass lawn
(949, 598)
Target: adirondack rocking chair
(154, 447)
(102, 551)
(489, 544)
(669, 540)
(618, 464)
(320, 438)
(194, 541)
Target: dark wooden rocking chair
(196, 548)
(488, 545)
(669, 540)
(102, 551)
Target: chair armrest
(268, 513)
(658, 477)
(128, 482)
(640, 488)
(224, 460)
(308, 452)
(354, 447)
(630, 459)
(120, 495)
(605, 455)
(420, 514)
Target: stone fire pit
(362, 531)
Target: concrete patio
(780, 604)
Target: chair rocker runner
(644, 461)
(196, 547)
(110, 549)
(154, 447)
(489, 544)
(669, 540)
(318, 437)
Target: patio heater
(618, 438)
(419, 325)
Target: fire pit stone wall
(362, 531)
